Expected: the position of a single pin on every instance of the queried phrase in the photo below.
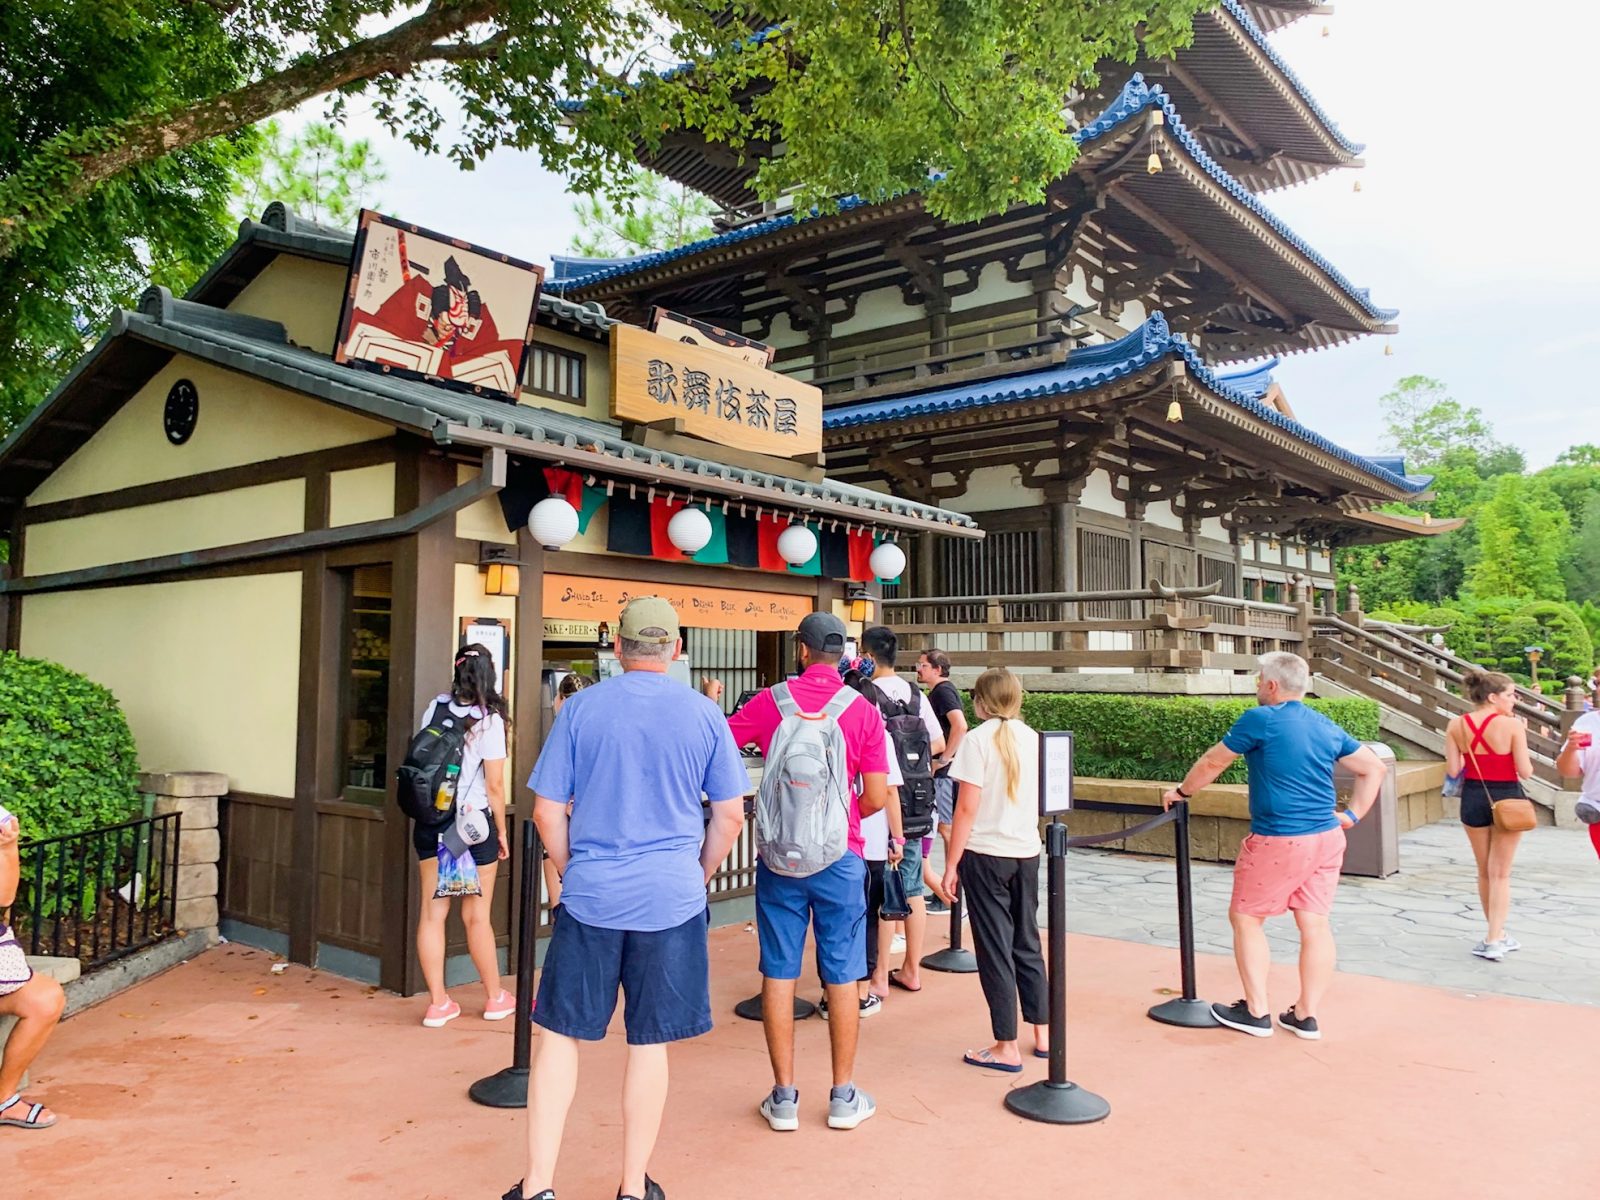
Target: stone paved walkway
(1417, 926)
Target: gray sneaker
(782, 1115)
(1511, 943)
(847, 1114)
(1493, 951)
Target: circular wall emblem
(181, 413)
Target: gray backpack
(803, 806)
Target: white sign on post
(1055, 772)
(495, 637)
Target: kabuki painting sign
(433, 307)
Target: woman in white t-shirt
(994, 854)
(482, 785)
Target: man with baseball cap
(832, 902)
(632, 755)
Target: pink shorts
(1275, 874)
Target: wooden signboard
(707, 393)
(695, 332)
(573, 598)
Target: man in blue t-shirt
(633, 756)
(1291, 859)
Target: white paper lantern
(689, 530)
(553, 522)
(797, 545)
(887, 561)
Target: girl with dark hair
(482, 784)
(1491, 745)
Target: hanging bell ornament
(1388, 350)
(1357, 186)
(1174, 411)
(1152, 165)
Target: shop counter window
(364, 712)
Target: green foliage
(1459, 637)
(1582, 568)
(1159, 737)
(316, 172)
(1589, 614)
(67, 760)
(1426, 425)
(1585, 455)
(660, 215)
(1522, 540)
(1557, 629)
(74, 65)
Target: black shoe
(652, 1191)
(1238, 1016)
(937, 906)
(1305, 1027)
(516, 1194)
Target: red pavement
(222, 1080)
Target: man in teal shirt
(1291, 860)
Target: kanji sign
(707, 393)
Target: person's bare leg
(1318, 953)
(844, 1027)
(37, 1005)
(777, 1022)
(1502, 849)
(476, 916)
(644, 1099)
(1253, 956)
(551, 1085)
(878, 984)
(1041, 1038)
(430, 934)
(910, 972)
(1478, 839)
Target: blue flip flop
(991, 1064)
(1038, 1053)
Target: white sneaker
(898, 946)
(1493, 951)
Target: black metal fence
(100, 894)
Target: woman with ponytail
(994, 855)
(482, 784)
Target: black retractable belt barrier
(1186, 1010)
(509, 1088)
(1057, 1100)
(955, 959)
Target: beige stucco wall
(361, 494)
(207, 670)
(483, 521)
(305, 296)
(241, 421)
(173, 526)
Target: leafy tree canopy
(661, 215)
(1426, 425)
(1522, 535)
(1585, 455)
(316, 172)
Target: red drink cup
(1582, 740)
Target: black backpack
(437, 747)
(911, 749)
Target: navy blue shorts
(835, 900)
(664, 976)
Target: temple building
(1089, 377)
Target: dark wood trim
(319, 499)
(186, 487)
(653, 570)
(490, 480)
(421, 645)
(11, 606)
(260, 798)
(321, 616)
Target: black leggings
(1002, 899)
(874, 907)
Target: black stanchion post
(954, 960)
(509, 1088)
(1186, 1010)
(1057, 1100)
(750, 1009)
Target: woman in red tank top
(1490, 745)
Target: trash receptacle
(1373, 847)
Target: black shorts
(1475, 803)
(426, 842)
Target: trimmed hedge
(1159, 737)
(67, 760)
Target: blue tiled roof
(1136, 96)
(1259, 37)
(1093, 367)
(1253, 381)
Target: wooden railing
(1424, 682)
(1157, 629)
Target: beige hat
(651, 620)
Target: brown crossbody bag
(1514, 814)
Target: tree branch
(482, 51)
(62, 174)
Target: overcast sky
(1474, 216)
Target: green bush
(67, 760)
(1159, 737)
(1557, 628)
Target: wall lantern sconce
(501, 570)
(860, 602)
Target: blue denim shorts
(833, 900)
(911, 869)
(944, 799)
(664, 976)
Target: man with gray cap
(831, 901)
(633, 756)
